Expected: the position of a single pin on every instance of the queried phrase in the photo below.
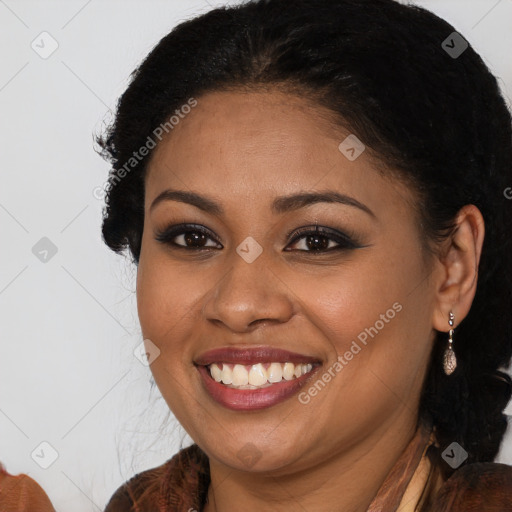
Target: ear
(458, 268)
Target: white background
(69, 326)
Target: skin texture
(242, 150)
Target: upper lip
(252, 356)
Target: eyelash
(345, 241)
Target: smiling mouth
(257, 376)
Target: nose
(248, 295)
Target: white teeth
(216, 372)
(240, 377)
(275, 372)
(288, 371)
(226, 375)
(256, 376)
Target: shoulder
(21, 493)
(179, 477)
(482, 486)
(142, 486)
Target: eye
(311, 239)
(188, 237)
(321, 240)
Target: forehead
(261, 144)
(241, 126)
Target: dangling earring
(449, 359)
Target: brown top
(181, 484)
(20, 493)
(482, 486)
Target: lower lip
(253, 399)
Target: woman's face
(355, 299)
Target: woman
(315, 196)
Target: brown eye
(321, 240)
(188, 236)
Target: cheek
(166, 299)
(166, 296)
(354, 297)
(375, 317)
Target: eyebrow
(279, 205)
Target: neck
(318, 488)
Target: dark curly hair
(432, 118)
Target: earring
(449, 359)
